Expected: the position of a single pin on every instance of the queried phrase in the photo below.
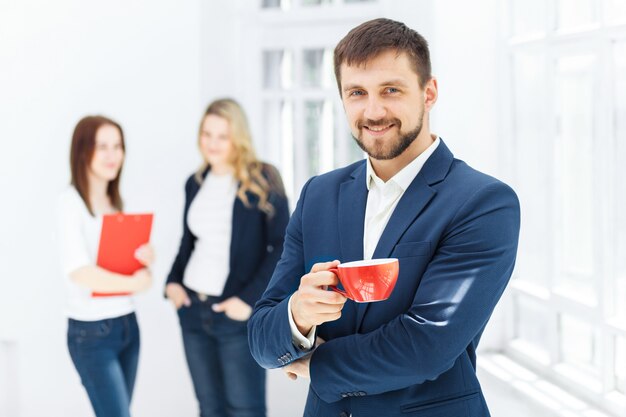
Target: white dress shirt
(210, 219)
(382, 199)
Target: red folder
(121, 235)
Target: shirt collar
(406, 175)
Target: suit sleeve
(187, 243)
(269, 333)
(455, 298)
(275, 232)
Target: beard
(389, 148)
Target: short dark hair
(374, 37)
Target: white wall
(137, 62)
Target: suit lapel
(238, 226)
(352, 201)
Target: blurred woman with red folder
(234, 224)
(103, 336)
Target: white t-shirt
(210, 219)
(78, 236)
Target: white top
(210, 219)
(382, 199)
(78, 236)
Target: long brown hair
(253, 175)
(81, 154)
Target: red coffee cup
(368, 280)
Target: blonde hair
(253, 175)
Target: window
(529, 17)
(615, 11)
(575, 175)
(568, 124)
(619, 121)
(620, 364)
(304, 126)
(572, 14)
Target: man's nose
(374, 110)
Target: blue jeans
(105, 354)
(227, 380)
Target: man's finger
(324, 266)
(320, 278)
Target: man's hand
(300, 368)
(312, 304)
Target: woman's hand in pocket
(177, 295)
(234, 308)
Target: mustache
(377, 123)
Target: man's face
(384, 104)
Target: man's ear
(430, 94)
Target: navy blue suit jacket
(455, 233)
(256, 242)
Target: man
(453, 229)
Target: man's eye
(357, 93)
(392, 90)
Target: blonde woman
(234, 223)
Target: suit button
(344, 414)
(362, 393)
(344, 395)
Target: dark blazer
(256, 240)
(455, 233)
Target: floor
(514, 391)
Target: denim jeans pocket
(80, 331)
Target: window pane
(312, 116)
(530, 123)
(317, 68)
(575, 13)
(529, 17)
(278, 119)
(273, 4)
(579, 344)
(620, 364)
(318, 137)
(615, 10)
(532, 324)
(314, 2)
(619, 54)
(574, 173)
(277, 69)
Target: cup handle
(332, 287)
